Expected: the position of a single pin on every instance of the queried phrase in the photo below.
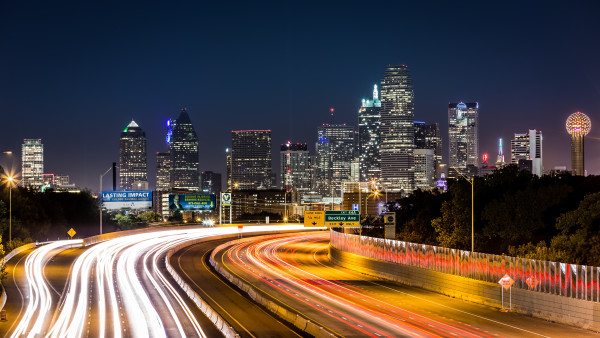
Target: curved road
(295, 271)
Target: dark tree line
(553, 217)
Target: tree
(579, 239)
(150, 216)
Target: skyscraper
(578, 125)
(251, 159)
(294, 159)
(183, 150)
(32, 162)
(132, 156)
(397, 129)
(424, 168)
(463, 142)
(335, 153)
(428, 136)
(228, 168)
(210, 182)
(369, 121)
(528, 146)
(163, 172)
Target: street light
(10, 180)
(100, 194)
(472, 182)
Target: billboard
(192, 202)
(113, 200)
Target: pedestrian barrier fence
(569, 280)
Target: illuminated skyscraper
(463, 141)
(500, 159)
(335, 153)
(32, 162)
(397, 129)
(578, 125)
(424, 168)
(210, 182)
(132, 156)
(528, 146)
(428, 136)
(251, 159)
(369, 121)
(183, 150)
(163, 172)
(295, 167)
(228, 168)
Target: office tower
(183, 150)
(163, 172)
(335, 153)
(463, 143)
(61, 180)
(578, 125)
(500, 159)
(295, 167)
(228, 168)
(424, 168)
(32, 162)
(528, 146)
(397, 129)
(132, 156)
(251, 159)
(210, 182)
(369, 121)
(428, 136)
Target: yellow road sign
(314, 218)
(71, 232)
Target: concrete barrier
(5, 259)
(581, 313)
(276, 307)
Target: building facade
(210, 182)
(183, 153)
(528, 146)
(335, 154)
(397, 129)
(295, 167)
(132, 157)
(463, 140)
(163, 171)
(32, 163)
(369, 121)
(428, 136)
(251, 159)
(424, 168)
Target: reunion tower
(578, 125)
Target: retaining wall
(561, 309)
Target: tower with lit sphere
(578, 125)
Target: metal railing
(569, 280)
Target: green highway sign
(342, 218)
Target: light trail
(121, 282)
(271, 264)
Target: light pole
(100, 194)
(10, 180)
(472, 182)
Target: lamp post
(472, 182)
(10, 180)
(100, 194)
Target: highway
(116, 288)
(294, 271)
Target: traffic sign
(506, 282)
(355, 206)
(532, 282)
(314, 218)
(225, 198)
(71, 232)
(342, 218)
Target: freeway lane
(294, 270)
(114, 288)
(247, 318)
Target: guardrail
(568, 280)
(5, 259)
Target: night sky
(75, 73)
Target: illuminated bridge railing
(569, 280)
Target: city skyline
(78, 80)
